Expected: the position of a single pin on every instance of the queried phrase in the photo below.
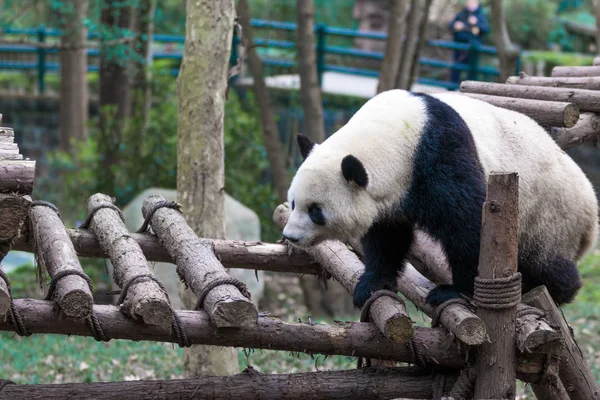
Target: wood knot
(494, 207)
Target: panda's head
(328, 197)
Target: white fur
(557, 203)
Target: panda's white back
(557, 202)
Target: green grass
(56, 358)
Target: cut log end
(391, 318)
(571, 115)
(234, 314)
(465, 325)
(399, 328)
(76, 304)
(153, 311)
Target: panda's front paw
(366, 286)
(441, 294)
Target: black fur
(305, 145)
(385, 245)
(354, 171)
(444, 199)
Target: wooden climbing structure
(474, 349)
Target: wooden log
(585, 100)
(589, 83)
(354, 339)
(574, 371)
(389, 314)
(346, 268)
(533, 331)
(232, 253)
(199, 267)
(586, 129)
(4, 298)
(428, 257)
(55, 254)
(550, 386)
(7, 135)
(546, 113)
(496, 360)
(144, 300)
(365, 384)
(576, 71)
(16, 176)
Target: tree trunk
(73, 114)
(410, 48)
(596, 5)
(310, 89)
(144, 27)
(267, 117)
(115, 91)
(393, 45)
(507, 52)
(201, 87)
(420, 43)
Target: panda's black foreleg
(385, 245)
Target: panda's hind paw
(441, 294)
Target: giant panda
(408, 161)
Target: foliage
(530, 22)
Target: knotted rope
(224, 280)
(85, 224)
(176, 325)
(161, 204)
(498, 293)
(13, 314)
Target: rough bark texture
(589, 83)
(346, 268)
(310, 90)
(507, 52)
(201, 87)
(55, 253)
(390, 65)
(17, 176)
(231, 253)
(267, 116)
(533, 331)
(198, 266)
(548, 392)
(546, 113)
(4, 298)
(354, 339)
(567, 72)
(585, 100)
(496, 360)
(145, 300)
(410, 48)
(364, 384)
(574, 371)
(423, 22)
(13, 215)
(586, 129)
(74, 98)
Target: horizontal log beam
(355, 339)
(576, 71)
(16, 176)
(585, 100)
(589, 83)
(586, 129)
(546, 113)
(232, 253)
(366, 384)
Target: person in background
(469, 26)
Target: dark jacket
(466, 35)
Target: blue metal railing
(474, 70)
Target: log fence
(475, 348)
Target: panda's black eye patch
(316, 214)
(293, 205)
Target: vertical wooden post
(496, 360)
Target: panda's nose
(291, 239)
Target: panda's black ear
(354, 171)
(305, 145)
